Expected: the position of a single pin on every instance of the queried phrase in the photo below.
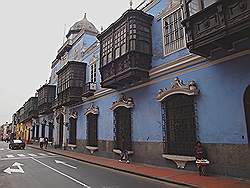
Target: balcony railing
(218, 30)
(89, 89)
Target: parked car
(17, 144)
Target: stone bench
(117, 151)
(180, 160)
(72, 146)
(92, 149)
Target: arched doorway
(33, 132)
(122, 120)
(180, 125)
(43, 129)
(247, 111)
(37, 131)
(51, 127)
(72, 130)
(61, 122)
(92, 120)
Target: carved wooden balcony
(30, 109)
(46, 94)
(89, 89)
(221, 29)
(71, 79)
(126, 70)
(126, 50)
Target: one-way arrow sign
(17, 170)
(61, 162)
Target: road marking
(20, 158)
(51, 154)
(32, 155)
(1, 149)
(59, 172)
(21, 155)
(61, 162)
(9, 156)
(19, 170)
(42, 154)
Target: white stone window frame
(92, 71)
(169, 12)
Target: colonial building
(158, 79)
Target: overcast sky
(31, 32)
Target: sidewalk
(182, 177)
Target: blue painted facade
(220, 109)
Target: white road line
(9, 156)
(42, 154)
(1, 149)
(32, 154)
(67, 176)
(20, 158)
(21, 155)
(51, 154)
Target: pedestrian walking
(124, 152)
(41, 141)
(46, 140)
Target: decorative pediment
(73, 115)
(123, 102)
(178, 87)
(92, 110)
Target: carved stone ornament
(92, 110)
(73, 115)
(123, 102)
(178, 87)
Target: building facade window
(43, 130)
(173, 32)
(122, 120)
(92, 121)
(37, 131)
(247, 111)
(72, 130)
(93, 72)
(180, 125)
(51, 127)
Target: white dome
(83, 24)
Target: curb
(123, 170)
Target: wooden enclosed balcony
(30, 109)
(126, 50)
(219, 28)
(89, 89)
(46, 94)
(71, 79)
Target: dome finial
(85, 15)
(131, 4)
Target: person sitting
(201, 162)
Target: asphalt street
(40, 169)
